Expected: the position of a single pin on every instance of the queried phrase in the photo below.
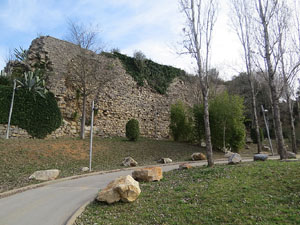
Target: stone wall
(15, 132)
(118, 101)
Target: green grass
(252, 193)
(21, 157)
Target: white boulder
(44, 175)
(123, 188)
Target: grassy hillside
(21, 157)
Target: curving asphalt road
(54, 204)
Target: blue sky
(152, 26)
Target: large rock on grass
(123, 188)
(198, 156)
(235, 159)
(185, 166)
(44, 175)
(85, 169)
(165, 160)
(260, 157)
(291, 155)
(148, 174)
(129, 162)
(228, 154)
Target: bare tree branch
(85, 36)
(201, 17)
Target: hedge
(132, 130)
(38, 116)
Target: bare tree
(87, 74)
(87, 71)
(271, 23)
(200, 21)
(242, 22)
(289, 46)
(85, 36)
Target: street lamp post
(267, 128)
(91, 134)
(11, 109)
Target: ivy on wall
(158, 76)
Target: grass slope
(21, 157)
(253, 193)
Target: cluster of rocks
(127, 189)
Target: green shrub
(37, 115)
(5, 79)
(226, 121)
(132, 130)
(157, 76)
(198, 111)
(253, 135)
(181, 125)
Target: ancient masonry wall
(118, 101)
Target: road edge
(42, 184)
(71, 220)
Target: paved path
(54, 204)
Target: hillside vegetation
(158, 76)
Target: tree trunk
(209, 152)
(256, 125)
(82, 128)
(273, 120)
(293, 132)
(224, 137)
(298, 107)
(271, 75)
(278, 127)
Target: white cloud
(151, 26)
(151, 16)
(161, 53)
(29, 16)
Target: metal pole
(267, 128)
(11, 109)
(91, 136)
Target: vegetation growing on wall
(37, 115)
(157, 76)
